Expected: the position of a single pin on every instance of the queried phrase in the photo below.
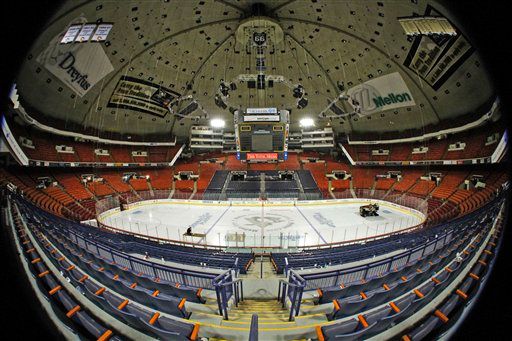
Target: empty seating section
(337, 185)
(114, 179)
(409, 178)
(384, 183)
(68, 157)
(129, 244)
(317, 170)
(100, 189)
(400, 152)
(233, 164)
(292, 163)
(76, 317)
(161, 179)
(139, 184)
(363, 177)
(422, 188)
(73, 186)
(449, 184)
(207, 170)
(84, 151)
(120, 154)
(371, 306)
(475, 147)
(184, 185)
(262, 166)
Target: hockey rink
(239, 224)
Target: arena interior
(253, 170)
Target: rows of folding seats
(44, 151)
(114, 179)
(187, 166)
(58, 194)
(481, 196)
(292, 163)
(73, 186)
(100, 189)
(130, 244)
(207, 171)
(400, 152)
(84, 151)
(337, 185)
(262, 166)
(139, 184)
(409, 177)
(184, 185)
(385, 294)
(363, 178)
(233, 164)
(68, 157)
(122, 154)
(422, 188)
(352, 151)
(157, 154)
(140, 158)
(446, 314)
(436, 149)
(161, 179)
(28, 186)
(332, 165)
(384, 184)
(449, 184)
(66, 308)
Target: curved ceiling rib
(329, 79)
(152, 46)
(398, 65)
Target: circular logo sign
(254, 223)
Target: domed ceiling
(178, 53)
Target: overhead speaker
(261, 82)
(190, 108)
(302, 103)
(251, 84)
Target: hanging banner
(380, 94)
(78, 66)
(142, 96)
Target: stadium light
(217, 123)
(307, 122)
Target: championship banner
(380, 94)
(142, 96)
(78, 66)
(436, 58)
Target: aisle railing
(226, 286)
(291, 289)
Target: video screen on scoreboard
(262, 143)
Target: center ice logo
(254, 223)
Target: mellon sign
(382, 93)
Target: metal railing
(357, 273)
(291, 289)
(226, 286)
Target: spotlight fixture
(217, 123)
(306, 122)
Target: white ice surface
(284, 225)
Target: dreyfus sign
(380, 94)
(78, 66)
